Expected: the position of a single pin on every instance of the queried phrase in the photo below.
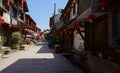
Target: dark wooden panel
(100, 33)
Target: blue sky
(42, 10)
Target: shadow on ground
(45, 49)
(58, 64)
(42, 43)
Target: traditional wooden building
(91, 25)
(5, 20)
(13, 18)
(30, 28)
(51, 23)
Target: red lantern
(73, 3)
(1, 20)
(8, 2)
(22, 4)
(67, 10)
(9, 25)
(102, 5)
(78, 24)
(25, 29)
(91, 17)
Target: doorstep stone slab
(6, 48)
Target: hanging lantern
(78, 24)
(91, 17)
(22, 4)
(8, 2)
(76, 30)
(25, 29)
(102, 5)
(9, 25)
(1, 20)
(73, 3)
(67, 10)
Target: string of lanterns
(101, 5)
(68, 9)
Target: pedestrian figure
(49, 43)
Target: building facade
(92, 26)
(13, 18)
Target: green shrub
(29, 40)
(2, 40)
(15, 43)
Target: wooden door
(100, 33)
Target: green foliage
(16, 35)
(53, 37)
(2, 40)
(38, 39)
(15, 40)
(28, 40)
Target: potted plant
(58, 49)
(2, 40)
(15, 43)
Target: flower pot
(58, 49)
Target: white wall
(6, 16)
(57, 18)
(78, 42)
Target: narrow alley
(59, 36)
(37, 59)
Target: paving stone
(37, 59)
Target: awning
(28, 36)
(84, 15)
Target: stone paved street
(37, 59)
